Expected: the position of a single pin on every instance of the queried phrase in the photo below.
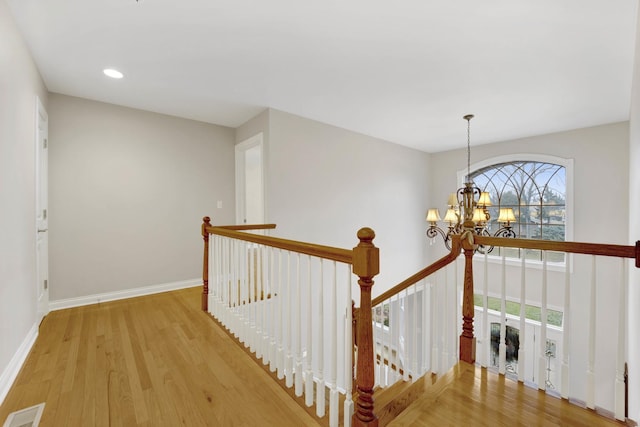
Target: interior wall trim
(13, 368)
(126, 293)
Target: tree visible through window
(537, 193)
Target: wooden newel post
(467, 340)
(366, 264)
(206, 222)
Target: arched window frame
(528, 157)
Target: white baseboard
(11, 372)
(126, 293)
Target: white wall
(600, 198)
(634, 235)
(128, 190)
(20, 83)
(324, 183)
(601, 172)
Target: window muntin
(536, 191)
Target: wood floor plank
(149, 361)
(160, 361)
(473, 396)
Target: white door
(42, 207)
(250, 181)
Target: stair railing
(254, 285)
(413, 321)
(284, 299)
(406, 317)
(576, 346)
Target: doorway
(42, 211)
(250, 181)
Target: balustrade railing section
(290, 303)
(558, 324)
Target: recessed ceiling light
(113, 73)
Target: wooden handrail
(620, 251)
(242, 227)
(326, 252)
(456, 248)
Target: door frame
(41, 209)
(240, 150)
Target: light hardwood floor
(472, 396)
(160, 361)
(151, 361)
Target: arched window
(537, 193)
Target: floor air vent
(28, 417)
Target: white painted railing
(416, 323)
(416, 330)
(579, 354)
(294, 311)
(582, 358)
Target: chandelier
(468, 209)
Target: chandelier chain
(468, 118)
(468, 149)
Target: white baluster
(542, 357)
(251, 300)
(225, 281)
(566, 327)
(225, 274)
(298, 330)
(502, 349)
(405, 335)
(591, 380)
(236, 284)
(434, 329)
(447, 309)
(231, 283)
(348, 361)
(223, 278)
(308, 378)
(258, 300)
(274, 312)
(281, 320)
(486, 339)
(267, 302)
(254, 305)
(246, 296)
(211, 253)
(288, 365)
(414, 336)
(425, 326)
(394, 362)
(377, 336)
(385, 357)
(240, 263)
(211, 294)
(321, 387)
(455, 316)
(333, 341)
(523, 319)
(622, 317)
(218, 257)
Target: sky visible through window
(536, 191)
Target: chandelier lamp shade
(468, 209)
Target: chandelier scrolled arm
(433, 231)
(468, 210)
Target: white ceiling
(405, 71)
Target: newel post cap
(206, 222)
(366, 256)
